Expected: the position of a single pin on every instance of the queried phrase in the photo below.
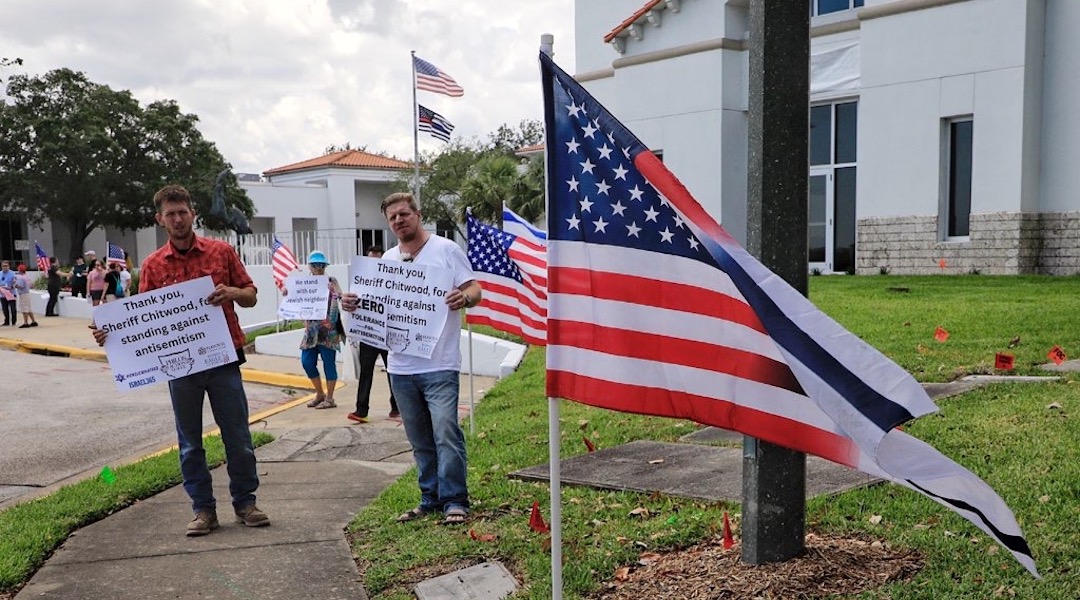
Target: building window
(368, 238)
(824, 7)
(958, 138)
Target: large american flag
(653, 308)
(283, 262)
(42, 258)
(511, 266)
(433, 123)
(432, 79)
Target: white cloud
(276, 81)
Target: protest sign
(164, 334)
(306, 298)
(402, 305)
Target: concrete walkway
(315, 477)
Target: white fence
(339, 245)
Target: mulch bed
(831, 566)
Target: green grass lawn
(1023, 439)
(1012, 435)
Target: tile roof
(343, 158)
(628, 21)
(533, 149)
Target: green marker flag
(107, 475)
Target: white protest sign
(164, 334)
(306, 299)
(402, 305)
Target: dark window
(844, 221)
(824, 7)
(816, 219)
(847, 118)
(821, 135)
(960, 155)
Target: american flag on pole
(511, 266)
(653, 308)
(115, 254)
(42, 258)
(433, 123)
(432, 79)
(283, 262)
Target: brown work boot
(251, 516)
(204, 522)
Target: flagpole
(415, 130)
(547, 43)
(555, 477)
(472, 370)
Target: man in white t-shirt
(427, 389)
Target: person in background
(112, 284)
(186, 256)
(322, 339)
(7, 294)
(366, 356)
(53, 287)
(95, 281)
(78, 278)
(427, 389)
(125, 280)
(22, 291)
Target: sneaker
(203, 523)
(24, 326)
(355, 417)
(34, 324)
(317, 400)
(394, 414)
(251, 516)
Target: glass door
(819, 221)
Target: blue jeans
(429, 410)
(229, 405)
(309, 359)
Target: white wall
(967, 58)
(1060, 130)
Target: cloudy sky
(277, 81)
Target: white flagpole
(415, 130)
(472, 402)
(554, 475)
(547, 42)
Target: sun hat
(317, 258)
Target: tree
(492, 182)
(87, 156)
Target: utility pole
(774, 478)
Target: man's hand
(245, 297)
(99, 334)
(349, 301)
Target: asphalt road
(62, 419)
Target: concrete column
(774, 478)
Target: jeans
(429, 410)
(11, 315)
(309, 358)
(54, 298)
(367, 357)
(229, 405)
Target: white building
(942, 135)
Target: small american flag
(655, 309)
(42, 258)
(432, 79)
(284, 262)
(116, 254)
(511, 266)
(434, 123)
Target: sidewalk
(315, 477)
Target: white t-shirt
(441, 252)
(125, 280)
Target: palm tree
(491, 183)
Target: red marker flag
(1004, 362)
(941, 335)
(591, 447)
(536, 520)
(1057, 355)
(729, 540)
(941, 264)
